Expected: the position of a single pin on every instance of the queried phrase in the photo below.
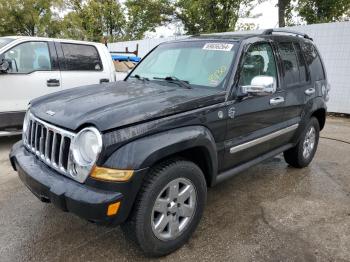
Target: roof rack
(271, 31)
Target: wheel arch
(320, 115)
(193, 143)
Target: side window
(301, 63)
(313, 60)
(81, 57)
(259, 61)
(29, 57)
(290, 63)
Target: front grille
(50, 144)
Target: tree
(323, 11)
(92, 19)
(146, 15)
(208, 16)
(284, 9)
(27, 17)
(114, 19)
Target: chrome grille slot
(50, 144)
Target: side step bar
(231, 172)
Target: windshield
(198, 63)
(4, 41)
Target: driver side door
(254, 119)
(32, 73)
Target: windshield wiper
(174, 79)
(140, 77)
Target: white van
(31, 67)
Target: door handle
(104, 80)
(53, 82)
(276, 100)
(309, 91)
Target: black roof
(278, 35)
(271, 33)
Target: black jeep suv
(194, 112)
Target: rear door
(81, 64)
(296, 80)
(257, 124)
(33, 72)
(318, 84)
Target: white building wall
(333, 42)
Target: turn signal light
(109, 174)
(113, 209)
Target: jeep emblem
(51, 113)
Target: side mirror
(260, 85)
(4, 66)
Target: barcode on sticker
(218, 46)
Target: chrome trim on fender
(10, 133)
(263, 139)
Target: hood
(114, 105)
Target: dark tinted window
(81, 57)
(313, 60)
(301, 63)
(290, 63)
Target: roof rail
(271, 31)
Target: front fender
(146, 151)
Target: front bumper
(89, 201)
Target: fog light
(109, 174)
(113, 209)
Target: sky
(268, 19)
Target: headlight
(87, 146)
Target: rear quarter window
(313, 61)
(80, 57)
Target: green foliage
(95, 19)
(91, 20)
(323, 11)
(28, 17)
(146, 15)
(208, 16)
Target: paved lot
(270, 212)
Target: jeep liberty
(142, 152)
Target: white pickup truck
(31, 67)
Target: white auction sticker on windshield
(218, 47)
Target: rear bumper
(89, 201)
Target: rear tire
(302, 154)
(168, 208)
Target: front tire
(168, 207)
(302, 154)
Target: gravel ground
(270, 212)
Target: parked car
(31, 67)
(192, 113)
